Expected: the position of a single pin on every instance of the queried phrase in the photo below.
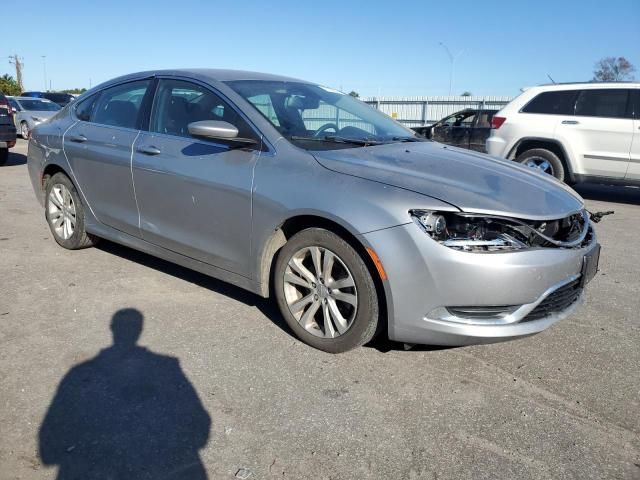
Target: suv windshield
(316, 117)
(39, 105)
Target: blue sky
(373, 47)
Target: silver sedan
(291, 189)
(29, 112)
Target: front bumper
(424, 278)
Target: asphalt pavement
(217, 387)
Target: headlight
(471, 233)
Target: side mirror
(213, 129)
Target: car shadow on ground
(609, 193)
(15, 158)
(267, 306)
(126, 413)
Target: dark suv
(467, 128)
(61, 99)
(7, 129)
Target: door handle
(149, 150)
(570, 122)
(78, 138)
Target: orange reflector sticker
(377, 263)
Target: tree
(9, 86)
(354, 94)
(612, 69)
(75, 91)
(466, 93)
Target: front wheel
(65, 214)
(24, 130)
(325, 291)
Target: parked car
(29, 112)
(7, 129)
(468, 128)
(60, 98)
(579, 132)
(281, 186)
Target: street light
(44, 67)
(453, 59)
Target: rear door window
(119, 106)
(553, 103)
(608, 103)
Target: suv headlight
(471, 232)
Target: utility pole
(18, 63)
(453, 59)
(44, 67)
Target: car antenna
(552, 80)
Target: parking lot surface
(227, 390)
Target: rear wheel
(325, 291)
(543, 160)
(24, 130)
(65, 214)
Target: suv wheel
(544, 160)
(65, 214)
(325, 291)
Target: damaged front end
(473, 232)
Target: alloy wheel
(320, 292)
(541, 164)
(62, 211)
(24, 130)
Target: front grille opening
(492, 312)
(557, 302)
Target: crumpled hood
(471, 181)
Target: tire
(356, 301)
(540, 156)
(4, 156)
(59, 218)
(24, 130)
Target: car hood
(471, 181)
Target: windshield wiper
(337, 139)
(408, 139)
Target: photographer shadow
(126, 413)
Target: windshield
(316, 117)
(39, 105)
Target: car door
(194, 194)
(99, 149)
(599, 134)
(633, 172)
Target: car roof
(583, 85)
(220, 75)
(30, 98)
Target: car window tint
(85, 108)
(178, 103)
(119, 106)
(610, 102)
(558, 103)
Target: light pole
(44, 68)
(453, 59)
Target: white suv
(577, 132)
